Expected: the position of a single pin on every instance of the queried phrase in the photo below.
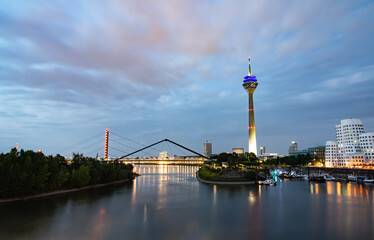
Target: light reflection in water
(329, 188)
(214, 194)
(316, 190)
(252, 198)
(133, 196)
(145, 214)
(338, 188)
(342, 189)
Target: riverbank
(9, 200)
(223, 183)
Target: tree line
(26, 173)
(234, 159)
(299, 160)
(250, 159)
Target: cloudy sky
(150, 70)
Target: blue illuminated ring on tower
(250, 79)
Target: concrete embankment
(341, 172)
(7, 200)
(223, 183)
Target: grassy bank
(226, 175)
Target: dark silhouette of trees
(26, 173)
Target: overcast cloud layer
(149, 70)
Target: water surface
(166, 202)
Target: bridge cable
(87, 147)
(171, 150)
(122, 144)
(118, 150)
(79, 143)
(152, 149)
(96, 150)
(127, 139)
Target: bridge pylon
(106, 144)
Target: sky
(149, 70)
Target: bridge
(131, 158)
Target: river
(167, 202)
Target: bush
(251, 175)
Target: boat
(328, 177)
(352, 178)
(269, 181)
(285, 175)
(361, 179)
(358, 179)
(298, 175)
(338, 179)
(317, 178)
(366, 181)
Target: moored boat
(328, 177)
(317, 178)
(269, 181)
(370, 181)
(358, 179)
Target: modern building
(250, 84)
(318, 151)
(207, 149)
(352, 144)
(268, 156)
(262, 150)
(162, 155)
(292, 148)
(299, 152)
(238, 150)
(367, 145)
(331, 154)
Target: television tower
(250, 84)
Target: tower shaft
(252, 145)
(250, 84)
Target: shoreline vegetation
(60, 192)
(29, 174)
(219, 175)
(200, 179)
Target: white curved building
(367, 145)
(353, 145)
(331, 154)
(347, 134)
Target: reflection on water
(166, 202)
(343, 189)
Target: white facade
(292, 148)
(367, 145)
(162, 155)
(331, 154)
(207, 149)
(353, 145)
(238, 150)
(268, 156)
(352, 159)
(262, 150)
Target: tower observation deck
(250, 84)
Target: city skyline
(172, 70)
